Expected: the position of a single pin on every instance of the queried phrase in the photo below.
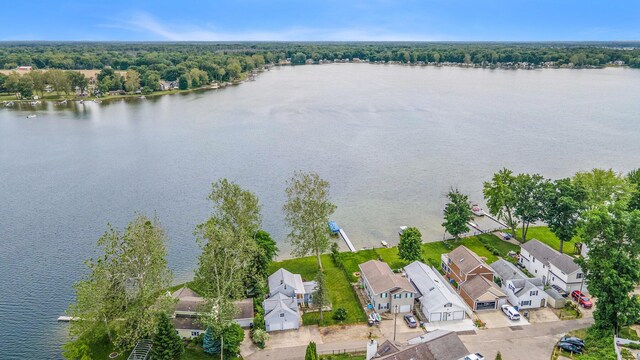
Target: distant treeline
(201, 55)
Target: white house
(551, 266)
(291, 285)
(281, 313)
(437, 300)
(523, 292)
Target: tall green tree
(307, 212)
(167, 345)
(634, 180)
(265, 252)
(312, 352)
(320, 295)
(529, 193)
(132, 81)
(228, 247)
(563, 203)
(410, 246)
(183, 82)
(122, 292)
(612, 269)
(500, 197)
(603, 186)
(78, 80)
(457, 213)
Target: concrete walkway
(533, 342)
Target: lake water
(391, 140)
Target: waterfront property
(291, 285)
(551, 266)
(189, 305)
(523, 292)
(481, 293)
(386, 290)
(437, 300)
(462, 265)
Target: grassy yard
(545, 235)
(342, 357)
(628, 333)
(340, 291)
(598, 345)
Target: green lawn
(343, 357)
(545, 235)
(340, 291)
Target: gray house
(386, 291)
(437, 300)
(291, 285)
(523, 292)
(281, 313)
(436, 345)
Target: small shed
(555, 300)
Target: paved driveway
(497, 319)
(403, 332)
(534, 342)
(542, 315)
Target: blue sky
(330, 20)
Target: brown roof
(479, 286)
(245, 309)
(465, 259)
(381, 278)
(444, 346)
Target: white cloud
(145, 23)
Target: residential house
(523, 292)
(436, 345)
(437, 300)
(462, 264)
(188, 306)
(287, 292)
(281, 313)
(551, 266)
(24, 68)
(386, 291)
(291, 285)
(481, 293)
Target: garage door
(405, 308)
(458, 315)
(488, 305)
(435, 317)
(288, 325)
(274, 326)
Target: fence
(343, 351)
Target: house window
(525, 303)
(579, 276)
(379, 307)
(195, 333)
(536, 271)
(447, 305)
(384, 295)
(533, 260)
(533, 293)
(282, 315)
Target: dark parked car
(559, 290)
(573, 340)
(410, 320)
(570, 347)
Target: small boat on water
(81, 102)
(31, 116)
(477, 210)
(142, 97)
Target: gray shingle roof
(381, 278)
(506, 270)
(434, 293)
(544, 253)
(444, 345)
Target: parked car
(559, 290)
(476, 356)
(573, 340)
(511, 312)
(410, 320)
(581, 299)
(506, 236)
(570, 347)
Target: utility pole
(395, 322)
(222, 348)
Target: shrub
(340, 314)
(259, 337)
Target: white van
(511, 312)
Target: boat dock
(66, 318)
(494, 219)
(344, 237)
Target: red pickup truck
(581, 299)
